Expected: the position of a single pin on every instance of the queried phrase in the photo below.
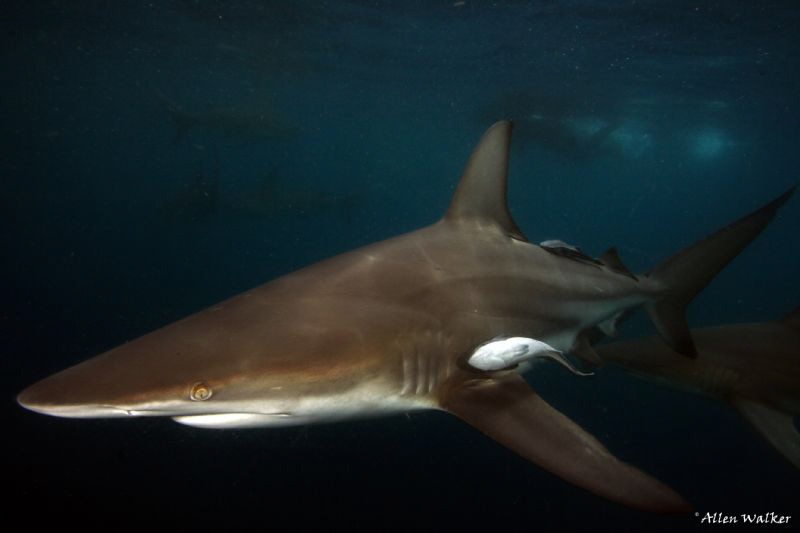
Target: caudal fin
(686, 273)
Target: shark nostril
(200, 392)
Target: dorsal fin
(611, 259)
(793, 319)
(481, 193)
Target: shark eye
(200, 391)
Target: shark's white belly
(367, 400)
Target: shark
(259, 122)
(568, 126)
(754, 367)
(448, 317)
(570, 137)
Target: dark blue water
(108, 230)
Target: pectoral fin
(507, 410)
(775, 426)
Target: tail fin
(687, 272)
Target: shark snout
(44, 398)
(93, 389)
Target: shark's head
(243, 363)
(124, 382)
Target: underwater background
(161, 156)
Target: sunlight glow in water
(707, 143)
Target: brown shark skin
(756, 361)
(753, 367)
(386, 328)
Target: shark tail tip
(683, 275)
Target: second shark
(754, 367)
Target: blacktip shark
(755, 367)
(392, 327)
(243, 122)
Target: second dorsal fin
(611, 259)
(481, 193)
